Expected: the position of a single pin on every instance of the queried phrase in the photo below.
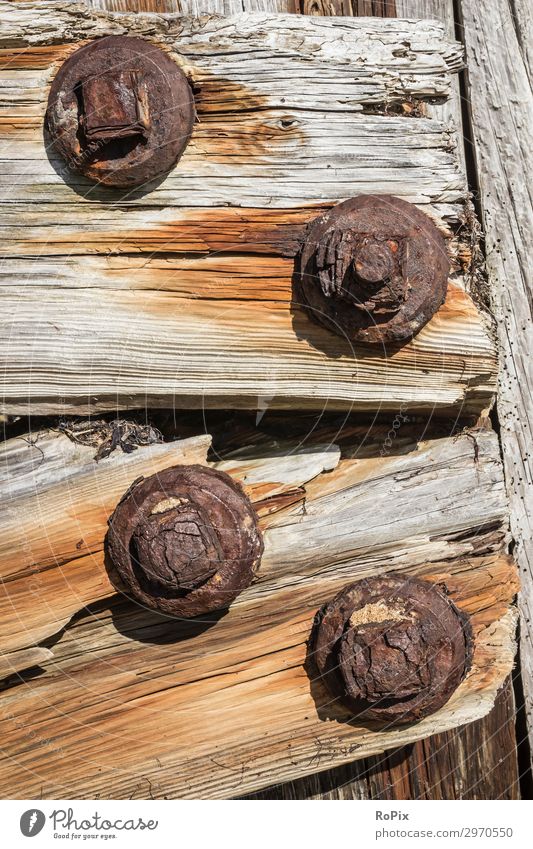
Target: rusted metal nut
(393, 649)
(120, 111)
(184, 541)
(373, 269)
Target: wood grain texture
(108, 328)
(378, 8)
(122, 665)
(475, 761)
(441, 10)
(57, 500)
(12, 662)
(450, 110)
(523, 25)
(248, 118)
(501, 104)
(399, 777)
(117, 673)
(191, 7)
(241, 352)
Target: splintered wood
(181, 294)
(328, 517)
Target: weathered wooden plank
(378, 8)
(16, 661)
(398, 776)
(170, 314)
(217, 234)
(249, 668)
(441, 10)
(501, 104)
(56, 555)
(373, 778)
(523, 25)
(163, 347)
(57, 501)
(449, 111)
(195, 7)
(334, 51)
(476, 761)
(120, 674)
(256, 130)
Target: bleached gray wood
(321, 155)
(422, 64)
(501, 104)
(64, 354)
(442, 10)
(450, 111)
(523, 24)
(297, 144)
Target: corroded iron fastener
(120, 111)
(373, 269)
(392, 649)
(184, 541)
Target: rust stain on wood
(276, 232)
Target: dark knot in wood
(393, 649)
(120, 111)
(185, 540)
(373, 269)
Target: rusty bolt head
(120, 111)
(184, 541)
(373, 261)
(393, 649)
(374, 269)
